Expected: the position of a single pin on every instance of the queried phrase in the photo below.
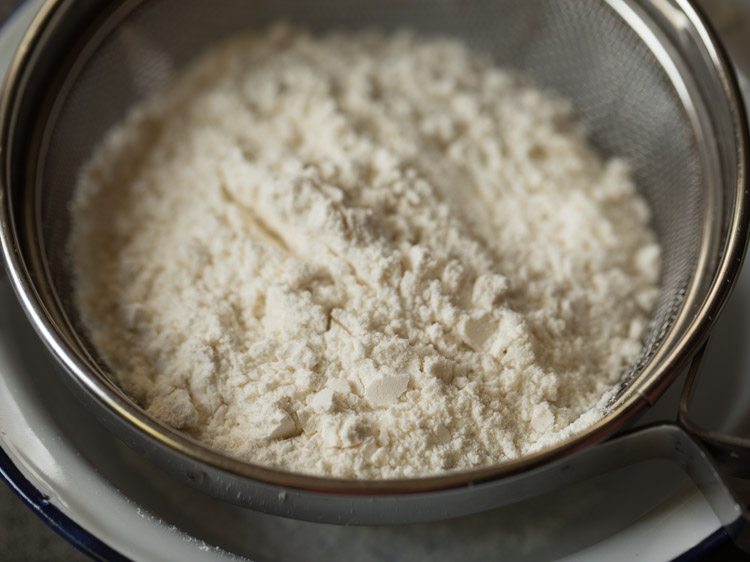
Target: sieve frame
(211, 469)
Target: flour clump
(361, 255)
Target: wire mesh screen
(582, 49)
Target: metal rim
(112, 399)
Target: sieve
(649, 81)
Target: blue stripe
(52, 516)
(706, 547)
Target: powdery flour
(362, 255)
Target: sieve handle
(730, 452)
(713, 460)
(703, 461)
(677, 444)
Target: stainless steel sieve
(648, 79)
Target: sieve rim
(124, 410)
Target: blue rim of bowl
(706, 547)
(63, 525)
(95, 548)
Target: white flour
(362, 255)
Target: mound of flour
(361, 255)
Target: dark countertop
(23, 536)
